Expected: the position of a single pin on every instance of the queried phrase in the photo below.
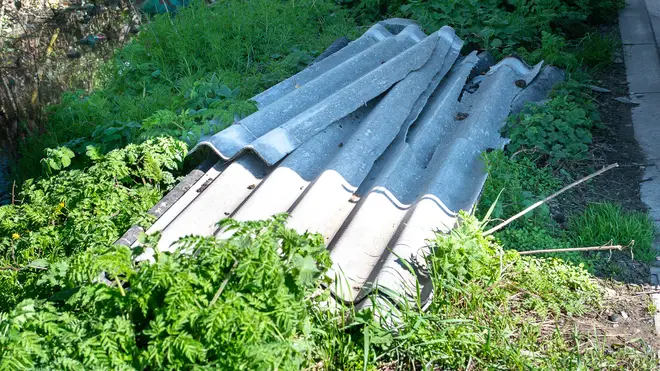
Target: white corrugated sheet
(377, 147)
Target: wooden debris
(570, 249)
(539, 203)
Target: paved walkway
(640, 32)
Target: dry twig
(594, 248)
(539, 203)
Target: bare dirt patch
(625, 317)
(616, 143)
(613, 143)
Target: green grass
(247, 46)
(491, 309)
(548, 149)
(254, 302)
(516, 183)
(259, 300)
(605, 223)
(596, 50)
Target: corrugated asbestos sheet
(376, 146)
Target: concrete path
(639, 23)
(640, 31)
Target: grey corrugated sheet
(377, 147)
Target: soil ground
(613, 143)
(628, 282)
(610, 322)
(616, 143)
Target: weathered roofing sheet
(294, 111)
(377, 147)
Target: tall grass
(609, 223)
(597, 50)
(249, 45)
(491, 310)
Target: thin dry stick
(10, 268)
(648, 292)
(13, 194)
(539, 203)
(595, 248)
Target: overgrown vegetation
(71, 300)
(549, 146)
(517, 182)
(76, 210)
(236, 304)
(489, 310)
(550, 141)
(560, 32)
(179, 73)
(513, 185)
(252, 302)
(601, 224)
(559, 130)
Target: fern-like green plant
(236, 304)
(73, 210)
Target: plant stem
(121, 289)
(223, 284)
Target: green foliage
(367, 12)
(234, 37)
(553, 50)
(74, 210)
(464, 256)
(602, 11)
(480, 23)
(520, 182)
(206, 108)
(236, 304)
(593, 51)
(557, 31)
(559, 129)
(510, 26)
(488, 308)
(57, 159)
(70, 300)
(181, 75)
(597, 50)
(517, 183)
(530, 236)
(609, 223)
(252, 302)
